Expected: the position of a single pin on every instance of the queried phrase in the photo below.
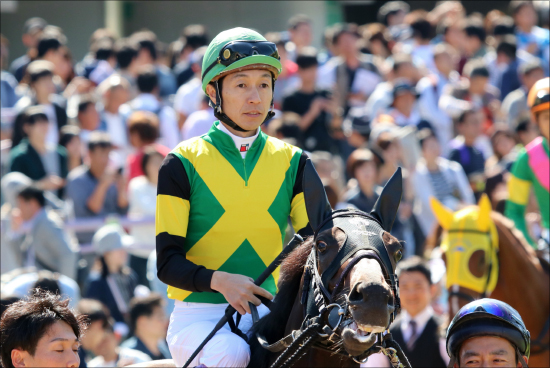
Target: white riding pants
(190, 323)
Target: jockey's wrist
(203, 280)
(216, 280)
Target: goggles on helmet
(237, 50)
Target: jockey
(223, 203)
(488, 333)
(532, 167)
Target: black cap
(403, 86)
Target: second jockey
(533, 167)
(223, 203)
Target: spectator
(35, 330)
(438, 177)
(403, 109)
(363, 166)
(42, 92)
(189, 96)
(466, 154)
(147, 55)
(148, 323)
(431, 88)
(531, 38)
(147, 100)
(318, 110)
(102, 47)
(193, 36)
(70, 140)
(142, 196)
(50, 48)
(526, 130)
(392, 15)
(23, 280)
(300, 34)
(34, 157)
(142, 132)
(377, 42)
(115, 91)
(114, 285)
(109, 354)
(126, 57)
(474, 44)
(98, 319)
(96, 189)
(199, 122)
(46, 246)
(381, 98)
(422, 32)
(473, 92)
(515, 103)
(87, 117)
(288, 80)
(505, 154)
(351, 75)
(158, 286)
(356, 128)
(417, 329)
(505, 76)
(31, 32)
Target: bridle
(321, 307)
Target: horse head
(352, 264)
(470, 251)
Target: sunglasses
(237, 50)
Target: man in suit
(417, 329)
(46, 245)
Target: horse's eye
(398, 255)
(322, 246)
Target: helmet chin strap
(218, 113)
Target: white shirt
(188, 97)
(53, 131)
(198, 123)
(116, 129)
(379, 100)
(402, 120)
(242, 144)
(142, 196)
(421, 319)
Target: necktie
(412, 339)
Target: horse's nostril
(356, 295)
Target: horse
(349, 263)
(485, 255)
(360, 283)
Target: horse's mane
(272, 326)
(508, 233)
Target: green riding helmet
(238, 48)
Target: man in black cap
(31, 32)
(403, 108)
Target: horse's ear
(443, 215)
(485, 208)
(317, 204)
(385, 208)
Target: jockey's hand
(238, 290)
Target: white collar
(239, 140)
(421, 318)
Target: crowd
(440, 93)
